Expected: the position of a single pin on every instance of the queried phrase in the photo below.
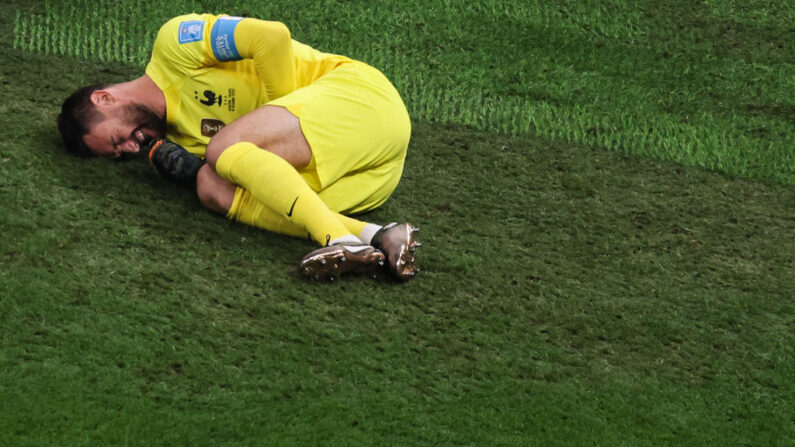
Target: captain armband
(222, 39)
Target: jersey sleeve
(180, 48)
(267, 43)
(190, 42)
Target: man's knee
(218, 143)
(215, 193)
(272, 128)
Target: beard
(148, 122)
(145, 119)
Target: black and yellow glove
(173, 162)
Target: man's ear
(102, 98)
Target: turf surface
(705, 84)
(570, 295)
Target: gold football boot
(397, 242)
(332, 261)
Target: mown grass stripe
(567, 293)
(633, 78)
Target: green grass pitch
(606, 195)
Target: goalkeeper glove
(173, 162)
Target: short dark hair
(77, 116)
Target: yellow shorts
(358, 129)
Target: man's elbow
(264, 34)
(278, 31)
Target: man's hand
(173, 162)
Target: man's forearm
(267, 43)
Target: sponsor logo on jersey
(191, 31)
(211, 126)
(222, 39)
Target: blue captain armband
(222, 39)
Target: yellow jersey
(215, 69)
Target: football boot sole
(333, 261)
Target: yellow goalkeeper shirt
(215, 69)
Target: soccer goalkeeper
(274, 133)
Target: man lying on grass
(274, 133)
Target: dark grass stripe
(702, 85)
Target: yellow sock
(353, 225)
(246, 209)
(277, 185)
